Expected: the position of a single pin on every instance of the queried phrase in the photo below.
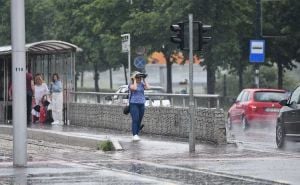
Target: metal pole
(19, 83)
(258, 36)
(191, 103)
(126, 48)
(129, 57)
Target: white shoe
(136, 138)
(55, 122)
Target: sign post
(257, 55)
(257, 51)
(126, 49)
(139, 62)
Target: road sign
(125, 43)
(126, 49)
(257, 51)
(139, 62)
(140, 50)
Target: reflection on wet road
(261, 139)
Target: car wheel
(229, 123)
(245, 124)
(280, 136)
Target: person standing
(57, 99)
(40, 90)
(29, 94)
(137, 101)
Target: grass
(106, 146)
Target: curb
(67, 138)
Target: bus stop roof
(44, 47)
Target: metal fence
(152, 99)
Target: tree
(149, 24)
(5, 22)
(282, 26)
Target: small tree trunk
(211, 79)
(224, 85)
(125, 74)
(96, 79)
(110, 78)
(81, 79)
(169, 75)
(241, 78)
(280, 74)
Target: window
(239, 98)
(296, 96)
(269, 96)
(245, 96)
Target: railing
(152, 99)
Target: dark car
(256, 106)
(288, 121)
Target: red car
(256, 106)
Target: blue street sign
(139, 62)
(257, 51)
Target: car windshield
(269, 96)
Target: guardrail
(152, 99)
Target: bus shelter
(46, 58)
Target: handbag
(126, 109)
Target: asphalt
(69, 155)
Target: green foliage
(268, 79)
(96, 26)
(106, 146)
(4, 22)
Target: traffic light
(203, 38)
(179, 31)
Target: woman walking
(137, 101)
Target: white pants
(57, 106)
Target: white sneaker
(136, 138)
(55, 122)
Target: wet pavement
(254, 159)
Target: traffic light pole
(191, 91)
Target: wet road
(263, 139)
(155, 160)
(283, 164)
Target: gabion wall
(166, 121)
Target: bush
(105, 146)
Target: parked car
(255, 106)
(150, 100)
(288, 122)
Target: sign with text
(257, 51)
(125, 43)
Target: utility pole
(19, 83)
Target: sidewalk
(153, 160)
